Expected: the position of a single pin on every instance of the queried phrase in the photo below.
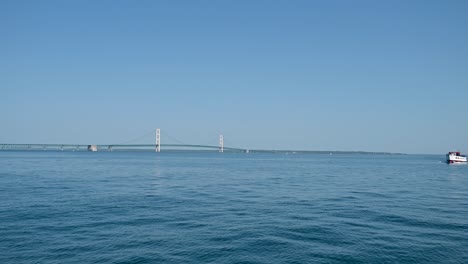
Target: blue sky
(314, 75)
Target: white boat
(455, 157)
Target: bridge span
(111, 147)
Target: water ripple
(233, 208)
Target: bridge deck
(108, 146)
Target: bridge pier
(92, 148)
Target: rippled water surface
(123, 207)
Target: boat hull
(456, 162)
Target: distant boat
(455, 157)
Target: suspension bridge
(157, 146)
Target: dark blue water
(69, 207)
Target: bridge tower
(158, 140)
(221, 143)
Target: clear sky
(313, 75)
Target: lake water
(195, 207)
